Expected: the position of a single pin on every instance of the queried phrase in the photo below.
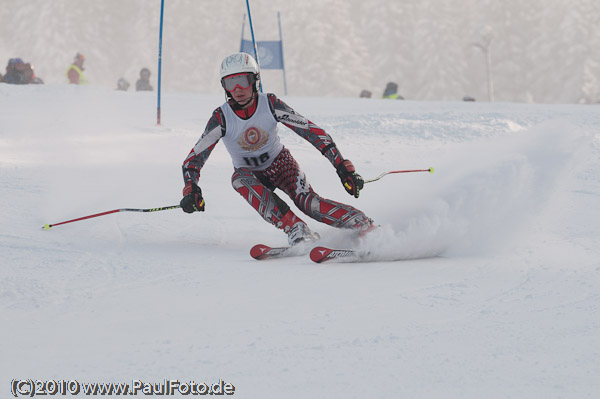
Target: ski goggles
(241, 80)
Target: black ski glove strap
(351, 180)
(192, 199)
(327, 148)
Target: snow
(504, 304)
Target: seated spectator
(122, 84)
(365, 94)
(143, 82)
(391, 92)
(30, 75)
(75, 70)
(20, 73)
(14, 72)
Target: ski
(261, 251)
(323, 254)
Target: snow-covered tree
(541, 50)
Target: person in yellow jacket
(391, 92)
(75, 70)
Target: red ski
(261, 251)
(323, 254)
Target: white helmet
(238, 63)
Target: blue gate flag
(270, 53)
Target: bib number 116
(257, 161)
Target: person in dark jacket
(391, 92)
(20, 73)
(143, 83)
(15, 72)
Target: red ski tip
(258, 251)
(319, 254)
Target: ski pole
(164, 208)
(430, 170)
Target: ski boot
(301, 233)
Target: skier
(247, 123)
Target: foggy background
(543, 51)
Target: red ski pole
(164, 208)
(430, 170)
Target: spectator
(75, 70)
(15, 72)
(391, 92)
(30, 75)
(122, 84)
(143, 83)
(365, 94)
(20, 73)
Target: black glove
(351, 180)
(192, 199)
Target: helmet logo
(234, 59)
(238, 63)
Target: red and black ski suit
(262, 164)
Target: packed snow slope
(484, 281)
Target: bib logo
(253, 139)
